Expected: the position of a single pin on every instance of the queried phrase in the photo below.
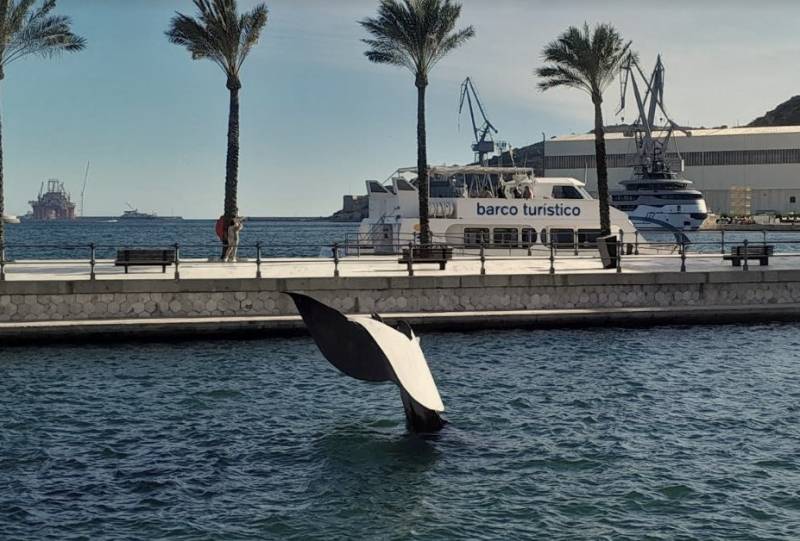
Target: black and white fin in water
(366, 348)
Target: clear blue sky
(318, 118)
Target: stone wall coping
(361, 283)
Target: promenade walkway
(378, 266)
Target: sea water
(618, 433)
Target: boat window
(507, 236)
(475, 236)
(373, 186)
(528, 236)
(562, 237)
(566, 192)
(792, 199)
(681, 196)
(587, 238)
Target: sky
(317, 118)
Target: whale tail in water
(366, 348)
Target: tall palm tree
(221, 35)
(587, 60)
(26, 31)
(416, 34)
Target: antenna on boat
(83, 189)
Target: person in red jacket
(222, 234)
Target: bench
(428, 254)
(145, 258)
(762, 252)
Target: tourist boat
(503, 208)
(10, 219)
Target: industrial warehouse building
(739, 170)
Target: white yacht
(492, 207)
(656, 198)
(10, 219)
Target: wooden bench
(428, 254)
(145, 258)
(762, 252)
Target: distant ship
(10, 219)
(134, 215)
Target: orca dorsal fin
(405, 328)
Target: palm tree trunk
(602, 166)
(232, 162)
(422, 166)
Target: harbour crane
(484, 142)
(651, 141)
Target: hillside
(785, 114)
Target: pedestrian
(233, 238)
(222, 235)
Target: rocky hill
(785, 114)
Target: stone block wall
(128, 299)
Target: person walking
(233, 238)
(222, 235)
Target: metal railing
(549, 255)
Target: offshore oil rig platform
(53, 204)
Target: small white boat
(10, 219)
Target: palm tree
(416, 34)
(587, 60)
(221, 35)
(25, 31)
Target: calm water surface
(663, 433)
(48, 240)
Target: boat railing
(707, 251)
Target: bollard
(683, 255)
(410, 259)
(91, 261)
(258, 259)
(745, 266)
(619, 252)
(2, 262)
(636, 242)
(483, 259)
(722, 246)
(335, 259)
(177, 261)
(552, 257)
(575, 240)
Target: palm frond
(219, 33)
(415, 34)
(35, 32)
(583, 58)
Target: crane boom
(484, 143)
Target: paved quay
(379, 266)
(58, 301)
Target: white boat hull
(682, 217)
